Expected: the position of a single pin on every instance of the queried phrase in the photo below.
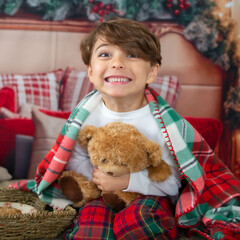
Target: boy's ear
(153, 73)
(89, 70)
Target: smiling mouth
(118, 80)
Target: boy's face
(117, 74)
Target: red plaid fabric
(76, 85)
(41, 89)
(148, 217)
(168, 87)
(94, 221)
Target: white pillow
(4, 174)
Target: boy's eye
(104, 54)
(132, 56)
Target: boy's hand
(109, 183)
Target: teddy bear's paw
(79, 204)
(160, 173)
(128, 197)
(78, 188)
(90, 190)
(70, 188)
(113, 201)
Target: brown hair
(131, 36)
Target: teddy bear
(116, 148)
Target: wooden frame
(40, 25)
(12, 23)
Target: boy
(122, 58)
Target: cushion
(23, 150)
(58, 114)
(9, 128)
(168, 87)
(5, 113)
(210, 129)
(26, 112)
(40, 89)
(4, 174)
(47, 129)
(8, 98)
(76, 86)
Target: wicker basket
(41, 224)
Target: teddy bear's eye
(104, 160)
(123, 164)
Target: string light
(229, 5)
(220, 14)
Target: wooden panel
(200, 101)
(26, 51)
(68, 50)
(180, 58)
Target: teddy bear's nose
(110, 173)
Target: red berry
(177, 12)
(169, 5)
(95, 8)
(181, 6)
(100, 4)
(101, 13)
(109, 7)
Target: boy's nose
(117, 63)
(117, 66)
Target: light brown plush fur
(115, 149)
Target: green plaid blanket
(209, 203)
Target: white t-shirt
(139, 182)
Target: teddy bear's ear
(154, 153)
(159, 169)
(85, 135)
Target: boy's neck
(121, 105)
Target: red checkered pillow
(168, 87)
(40, 89)
(8, 98)
(76, 86)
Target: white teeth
(118, 80)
